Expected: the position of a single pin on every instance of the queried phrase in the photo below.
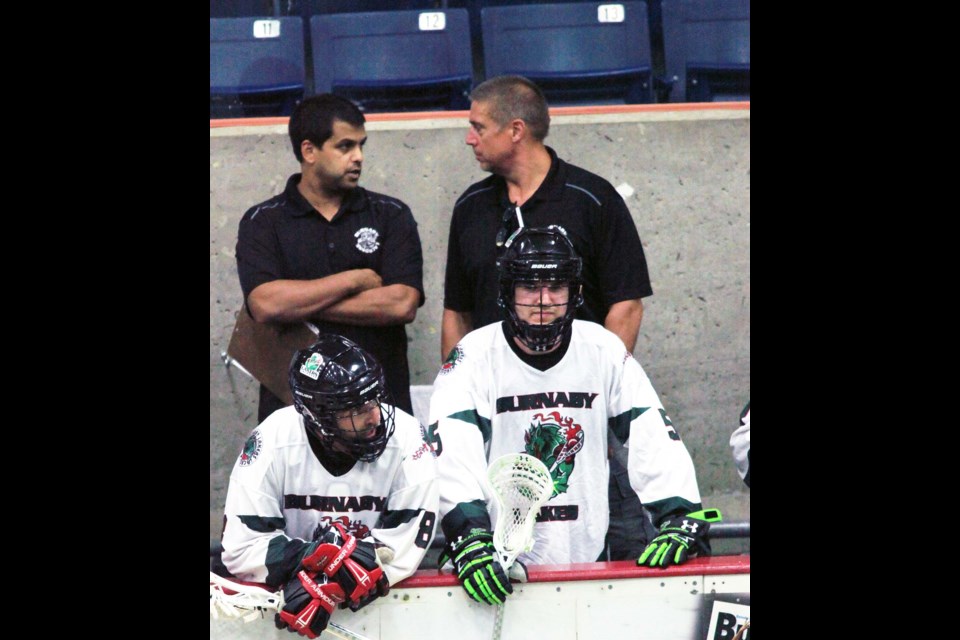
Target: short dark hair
(512, 97)
(313, 118)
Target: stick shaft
(342, 632)
(534, 504)
(498, 622)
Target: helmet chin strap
(541, 360)
(334, 461)
(547, 343)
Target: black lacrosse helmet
(334, 376)
(539, 254)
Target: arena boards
(703, 599)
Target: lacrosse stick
(249, 601)
(569, 450)
(521, 484)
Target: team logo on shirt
(251, 448)
(555, 440)
(356, 527)
(424, 448)
(453, 359)
(368, 240)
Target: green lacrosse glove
(475, 561)
(680, 537)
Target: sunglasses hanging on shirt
(502, 240)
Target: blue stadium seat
(394, 60)
(316, 7)
(243, 8)
(256, 66)
(578, 53)
(707, 49)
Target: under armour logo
(689, 527)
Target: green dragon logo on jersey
(555, 440)
(251, 448)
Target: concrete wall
(689, 172)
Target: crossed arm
(356, 296)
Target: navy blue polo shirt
(286, 238)
(588, 208)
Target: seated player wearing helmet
(332, 499)
(542, 383)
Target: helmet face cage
(335, 377)
(541, 256)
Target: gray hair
(511, 97)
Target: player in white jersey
(335, 498)
(740, 443)
(550, 386)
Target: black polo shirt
(286, 238)
(588, 208)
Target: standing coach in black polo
(532, 187)
(331, 253)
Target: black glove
(383, 588)
(308, 601)
(680, 537)
(351, 563)
(360, 576)
(477, 567)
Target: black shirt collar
(335, 462)
(550, 190)
(354, 200)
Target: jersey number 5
(433, 439)
(666, 421)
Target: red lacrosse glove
(350, 563)
(308, 601)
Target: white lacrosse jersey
(279, 491)
(487, 402)
(740, 443)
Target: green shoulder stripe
(620, 425)
(474, 418)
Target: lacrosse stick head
(251, 601)
(521, 484)
(232, 599)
